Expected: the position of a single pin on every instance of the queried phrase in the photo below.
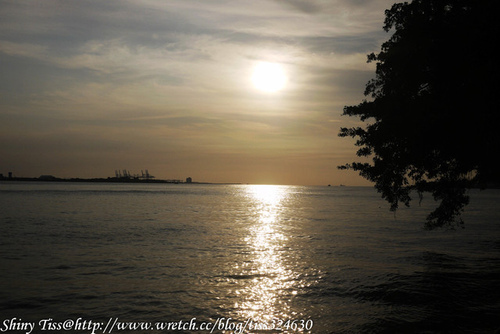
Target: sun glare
(269, 77)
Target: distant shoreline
(102, 180)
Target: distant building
(189, 180)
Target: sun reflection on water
(266, 296)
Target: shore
(108, 179)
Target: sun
(269, 77)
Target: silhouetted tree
(432, 118)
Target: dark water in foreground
(334, 258)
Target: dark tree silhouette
(432, 118)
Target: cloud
(306, 6)
(161, 79)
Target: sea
(210, 258)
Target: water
(334, 258)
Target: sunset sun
(269, 77)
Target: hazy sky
(88, 87)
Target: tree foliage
(431, 122)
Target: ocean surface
(304, 259)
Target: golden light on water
(271, 279)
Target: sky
(89, 87)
